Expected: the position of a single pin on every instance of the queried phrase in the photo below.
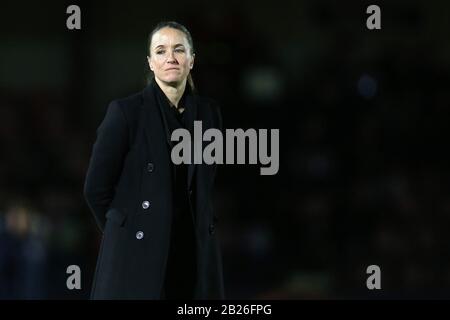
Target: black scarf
(171, 117)
(173, 120)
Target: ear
(192, 61)
(149, 60)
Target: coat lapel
(155, 128)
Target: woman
(157, 219)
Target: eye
(179, 50)
(160, 52)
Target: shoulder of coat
(131, 104)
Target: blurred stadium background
(363, 118)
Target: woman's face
(170, 56)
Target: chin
(172, 80)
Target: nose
(171, 57)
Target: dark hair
(177, 26)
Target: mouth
(172, 69)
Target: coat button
(139, 235)
(145, 204)
(150, 167)
(212, 228)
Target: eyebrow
(163, 46)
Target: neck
(173, 92)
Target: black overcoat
(128, 188)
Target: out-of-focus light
(259, 240)
(367, 86)
(262, 84)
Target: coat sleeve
(106, 162)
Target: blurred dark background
(363, 119)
